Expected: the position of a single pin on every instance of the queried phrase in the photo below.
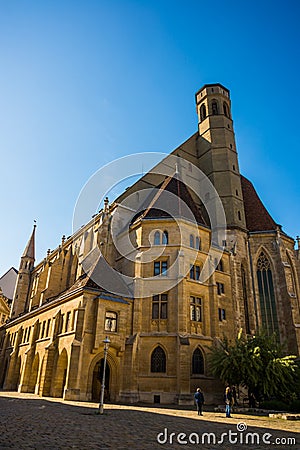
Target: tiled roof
(257, 217)
(162, 205)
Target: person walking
(228, 401)
(199, 399)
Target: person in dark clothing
(199, 399)
(228, 401)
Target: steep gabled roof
(8, 282)
(257, 217)
(163, 205)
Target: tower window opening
(214, 107)
(226, 109)
(202, 112)
(239, 215)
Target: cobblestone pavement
(31, 422)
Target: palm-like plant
(256, 362)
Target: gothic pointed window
(214, 107)
(198, 362)
(158, 360)
(268, 310)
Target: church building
(162, 275)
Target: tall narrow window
(195, 272)
(267, 300)
(195, 309)
(160, 306)
(202, 112)
(110, 321)
(222, 314)
(245, 299)
(214, 107)
(156, 238)
(198, 243)
(220, 288)
(158, 360)
(192, 243)
(198, 362)
(68, 319)
(165, 238)
(219, 265)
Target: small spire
(298, 241)
(29, 251)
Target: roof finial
(106, 203)
(298, 241)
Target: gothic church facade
(52, 344)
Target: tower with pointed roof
(19, 303)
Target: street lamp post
(106, 345)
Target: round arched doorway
(97, 381)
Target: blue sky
(85, 82)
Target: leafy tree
(256, 362)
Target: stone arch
(34, 374)
(60, 374)
(112, 377)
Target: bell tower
(216, 149)
(24, 277)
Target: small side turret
(19, 303)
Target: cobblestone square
(30, 422)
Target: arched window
(165, 238)
(157, 238)
(202, 112)
(198, 362)
(267, 300)
(214, 107)
(245, 299)
(226, 109)
(198, 243)
(158, 360)
(192, 242)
